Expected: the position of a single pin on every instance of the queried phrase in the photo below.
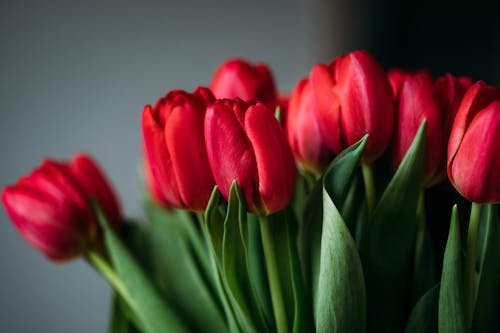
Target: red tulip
(354, 98)
(238, 78)
(52, 207)
(246, 143)
(418, 97)
(449, 91)
(415, 101)
(177, 163)
(303, 132)
(473, 159)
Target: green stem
(100, 264)
(470, 260)
(367, 171)
(273, 276)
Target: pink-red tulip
(239, 78)
(419, 97)
(354, 98)
(473, 159)
(303, 132)
(246, 144)
(177, 164)
(52, 207)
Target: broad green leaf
(485, 317)
(338, 181)
(179, 273)
(423, 317)
(451, 315)
(235, 265)
(340, 304)
(144, 299)
(388, 251)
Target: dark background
(75, 76)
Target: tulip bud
(473, 160)
(238, 78)
(354, 98)
(246, 143)
(52, 207)
(177, 165)
(303, 132)
(418, 97)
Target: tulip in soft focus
(246, 143)
(239, 78)
(354, 98)
(303, 132)
(473, 159)
(52, 207)
(177, 169)
(419, 97)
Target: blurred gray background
(74, 76)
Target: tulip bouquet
(301, 213)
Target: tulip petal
(475, 99)
(230, 153)
(46, 229)
(274, 159)
(475, 171)
(328, 107)
(189, 159)
(367, 103)
(416, 102)
(91, 178)
(158, 158)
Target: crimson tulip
(419, 97)
(473, 160)
(52, 206)
(302, 129)
(239, 78)
(177, 164)
(246, 144)
(354, 98)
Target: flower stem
(273, 276)
(470, 260)
(101, 265)
(367, 171)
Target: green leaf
(424, 267)
(179, 272)
(214, 232)
(282, 229)
(340, 304)
(451, 315)
(423, 317)
(309, 239)
(338, 181)
(235, 266)
(485, 317)
(339, 175)
(155, 315)
(257, 268)
(388, 251)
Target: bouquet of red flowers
(300, 213)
